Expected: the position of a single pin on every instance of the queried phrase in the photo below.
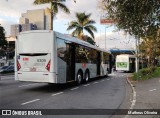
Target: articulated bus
(52, 57)
(126, 62)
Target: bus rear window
(33, 54)
(34, 43)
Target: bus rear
(125, 62)
(122, 63)
(34, 50)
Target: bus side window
(62, 50)
(81, 54)
(93, 56)
(105, 58)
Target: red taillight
(48, 65)
(18, 65)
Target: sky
(11, 10)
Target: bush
(147, 73)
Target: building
(39, 19)
(15, 29)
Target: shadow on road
(50, 88)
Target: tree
(138, 17)
(3, 42)
(88, 39)
(82, 23)
(150, 49)
(55, 5)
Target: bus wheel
(79, 77)
(87, 76)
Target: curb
(133, 97)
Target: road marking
(27, 85)
(74, 88)
(152, 90)
(30, 101)
(95, 82)
(57, 94)
(86, 85)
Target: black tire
(87, 76)
(79, 78)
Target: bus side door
(70, 62)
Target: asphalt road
(112, 92)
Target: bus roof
(78, 41)
(67, 37)
(126, 55)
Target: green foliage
(137, 17)
(88, 39)
(150, 49)
(147, 73)
(55, 4)
(3, 42)
(83, 22)
(140, 18)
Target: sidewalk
(147, 96)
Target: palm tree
(83, 22)
(55, 5)
(88, 39)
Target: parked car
(3, 68)
(9, 69)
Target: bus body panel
(37, 77)
(34, 63)
(104, 69)
(61, 75)
(84, 66)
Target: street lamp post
(105, 37)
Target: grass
(147, 73)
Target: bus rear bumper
(36, 77)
